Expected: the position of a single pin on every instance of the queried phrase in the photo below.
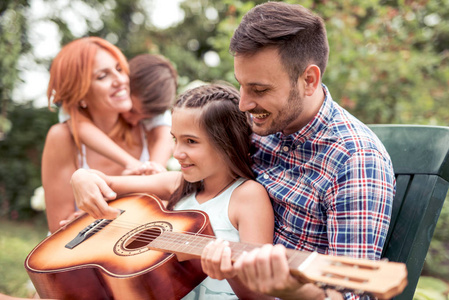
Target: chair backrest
(420, 156)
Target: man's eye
(260, 91)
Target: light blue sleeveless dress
(217, 210)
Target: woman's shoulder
(60, 130)
(60, 134)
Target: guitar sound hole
(142, 238)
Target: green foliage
(388, 59)
(430, 288)
(13, 43)
(20, 154)
(437, 259)
(389, 63)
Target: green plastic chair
(420, 156)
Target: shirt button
(285, 148)
(266, 176)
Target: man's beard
(285, 116)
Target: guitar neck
(381, 279)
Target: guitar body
(114, 263)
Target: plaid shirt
(331, 184)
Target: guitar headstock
(381, 279)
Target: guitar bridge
(87, 232)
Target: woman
(89, 77)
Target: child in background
(212, 144)
(153, 84)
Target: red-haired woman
(89, 77)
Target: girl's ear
(311, 79)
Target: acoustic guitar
(151, 253)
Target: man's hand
(266, 270)
(91, 191)
(216, 260)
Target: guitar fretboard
(194, 244)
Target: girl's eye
(190, 141)
(119, 68)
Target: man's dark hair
(298, 34)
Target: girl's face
(197, 156)
(109, 89)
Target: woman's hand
(91, 191)
(216, 260)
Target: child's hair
(153, 80)
(228, 129)
(71, 78)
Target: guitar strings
(145, 234)
(183, 238)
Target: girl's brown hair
(228, 129)
(153, 79)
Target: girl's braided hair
(228, 129)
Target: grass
(17, 239)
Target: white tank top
(218, 211)
(144, 156)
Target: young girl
(212, 145)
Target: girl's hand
(91, 191)
(216, 260)
(146, 168)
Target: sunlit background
(45, 37)
(389, 63)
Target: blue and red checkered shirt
(331, 184)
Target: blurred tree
(13, 43)
(389, 60)
(20, 159)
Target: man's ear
(311, 79)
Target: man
(330, 179)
